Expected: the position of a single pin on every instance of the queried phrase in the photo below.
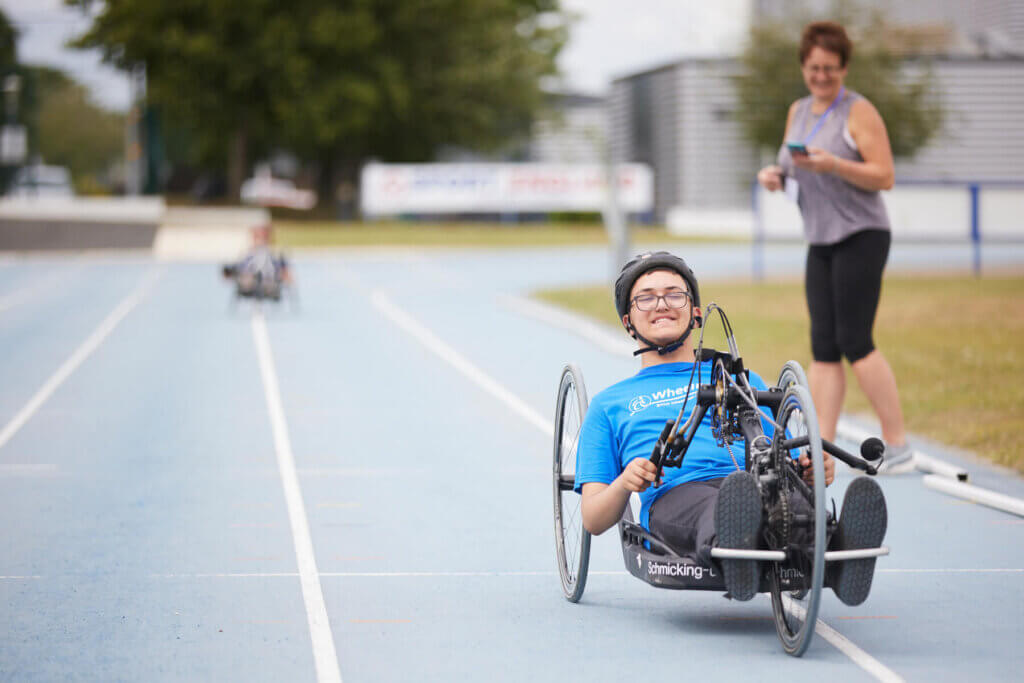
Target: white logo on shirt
(659, 398)
(639, 403)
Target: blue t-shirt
(625, 420)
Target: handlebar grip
(872, 449)
(659, 447)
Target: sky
(609, 39)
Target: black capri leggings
(843, 282)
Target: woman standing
(835, 160)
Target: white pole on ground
(922, 461)
(927, 463)
(999, 501)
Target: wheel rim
(572, 541)
(792, 373)
(796, 611)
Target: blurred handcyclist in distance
(262, 272)
(834, 160)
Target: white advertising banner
(389, 189)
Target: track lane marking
(39, 286)
(435, 344)
(78, 356)
(846, 646)
(497, 574)
(324, 655)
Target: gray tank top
(832, 208)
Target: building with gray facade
(679, 118)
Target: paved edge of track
(325, 656)
(451, 356)
(78, 356)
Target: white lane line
(324, 654)
(951, 571)
(598, 334)
(441, 574)
(229, 575)
(27, 468)
(40, 286)
(846, 646)
(459, 362)
(91, 343)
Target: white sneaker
(897, 460)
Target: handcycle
(797, 524)
(268, 282)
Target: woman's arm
(770, 177)
(867, 130)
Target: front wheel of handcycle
(572, 541)
(796, 583)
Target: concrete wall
(79, 223)
(175, 233)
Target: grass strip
(955, 343)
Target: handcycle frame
(791, 567)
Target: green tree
(770, 80)
(68, 129)
(8, 43)
(337, 81)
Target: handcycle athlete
(261, 273)
(732, 498)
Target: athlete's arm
(602, 504)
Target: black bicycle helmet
(631, 272)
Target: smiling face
(823, 73)
(663, 324)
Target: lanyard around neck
(824, 116)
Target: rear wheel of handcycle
(796, 608)
(572, 541)
(792, 373)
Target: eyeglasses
(827, 70)
(649, 302)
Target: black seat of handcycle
(654, 561)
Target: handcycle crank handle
(835, 451)
(660, 448)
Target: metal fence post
(757, 244)
(975, 227)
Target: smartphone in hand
(797, 149)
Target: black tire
(572, 541)
(796, 609)
(792, 373)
